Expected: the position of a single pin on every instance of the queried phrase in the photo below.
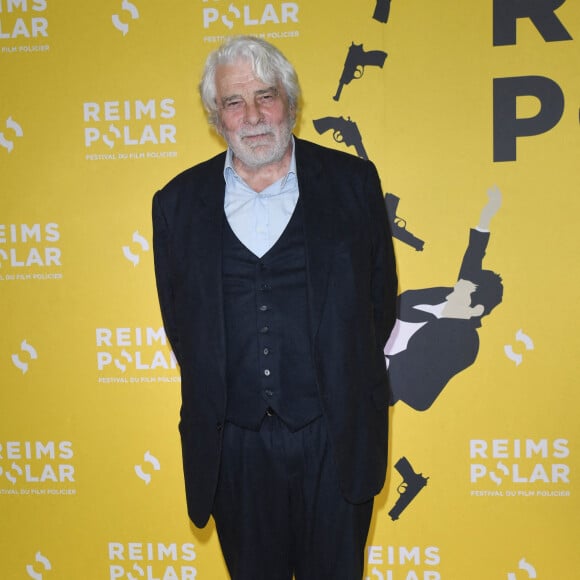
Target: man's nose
(252, 113)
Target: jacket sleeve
(163, 276)
(472, 262)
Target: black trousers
(279, 511)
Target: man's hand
(490, 209)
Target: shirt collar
(231, 174)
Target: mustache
(256, 131)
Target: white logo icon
(132, 10)
(142, 243)
(137, 569)
(509, 351)
(25, 347)
(109, 142)
(43, 561)
(9, 476)
(153, 461)
(527, 567)
(127, 357)
(16, 128)
(503, 468)
(235, 11)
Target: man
(277, 285)
(435, 336)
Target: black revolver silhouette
(411, 485)
(399, 224)
(343, 131)
(354, 65)
(382, 10)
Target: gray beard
(261, 156)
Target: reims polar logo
(390, 562)
(42, 563)
(30, 251)
(140, 244)
(520, 467)
(526, 567)
(37, 467)
(151, 561)
(132, 12)
(153, 463)
(248, 15)
(27, 352)
(129, 123)
(135, 355)
(13, 130)
(522, 338)
(20, 20)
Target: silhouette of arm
(473, 259)
(407, 301)
(490, 209)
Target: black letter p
(507, 127)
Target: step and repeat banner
(470, 111)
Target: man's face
(462, 291)
(253, 117)
(458, 302)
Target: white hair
(268, 64)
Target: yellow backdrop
(99, 108)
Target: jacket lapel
(318, 216)
(208, 223)
(207, 237)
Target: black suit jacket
(352, 289)
(444, 346)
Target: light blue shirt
(258, 219)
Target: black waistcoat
(269, 362)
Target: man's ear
(477, 310)
(293, 116)
(218, 128)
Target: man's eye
(233, 105)
(266, 98)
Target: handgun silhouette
(382, 10)
(411, 485)
(343, 131)
(399, 224)
(354, 65)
